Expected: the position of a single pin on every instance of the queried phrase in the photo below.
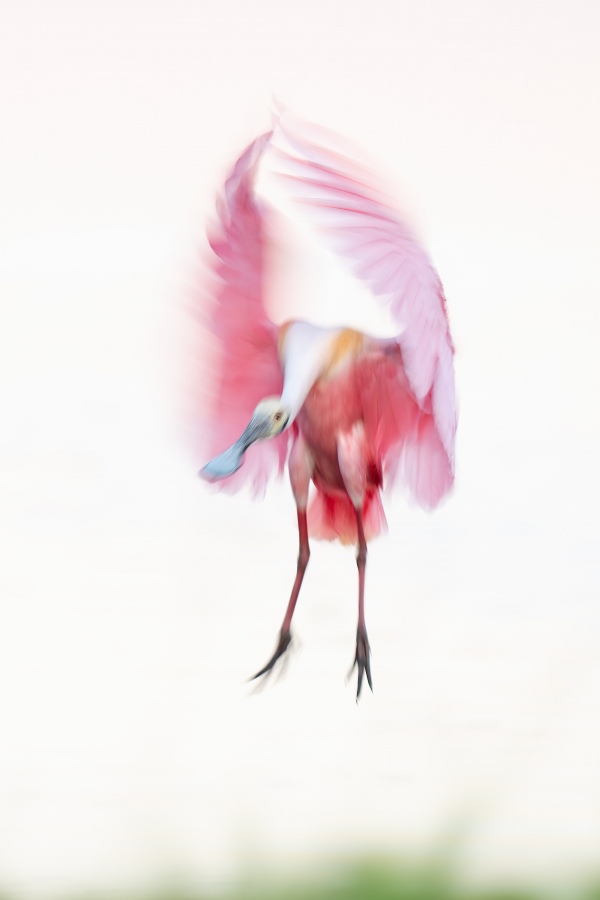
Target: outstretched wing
(243, 365)
(358, 221)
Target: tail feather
(333, 517)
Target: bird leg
(285, 637)
(363, 651)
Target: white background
(135, 603)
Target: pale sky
(135, 603)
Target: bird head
(268, 420)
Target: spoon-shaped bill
(230, 460)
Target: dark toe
(362, 661)
(285, 639)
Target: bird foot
(285, 639)
(362, 660)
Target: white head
(271, 417)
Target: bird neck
(304, 352)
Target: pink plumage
(244, 353)
(358, 412)
(339, 198)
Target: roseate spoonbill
(347, 411)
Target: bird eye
(277, 416)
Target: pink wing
(359, 223)
(244, 365)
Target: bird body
(349, 412)
(345, 462)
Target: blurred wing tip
(278, 110)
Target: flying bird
(347, 411)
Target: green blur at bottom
(373, 880)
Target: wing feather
(243, 360)
(342, 202)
